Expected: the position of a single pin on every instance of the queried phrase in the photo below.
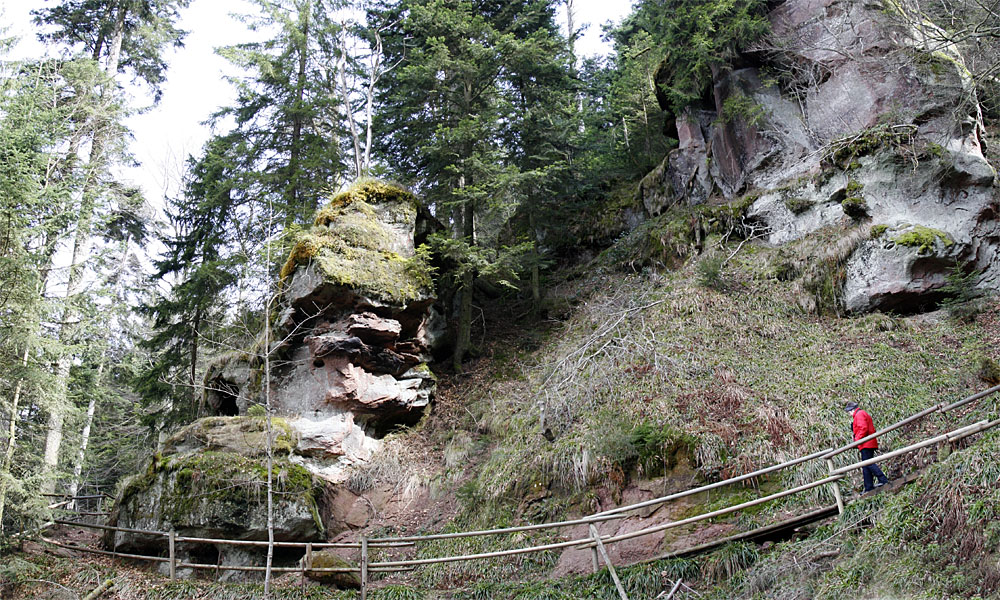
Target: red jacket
(864, 427)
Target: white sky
(166, 134)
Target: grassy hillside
(649, 370)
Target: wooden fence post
(607, 561)
(173, 557)
(836, 488)
(307, 562)
(364, 567)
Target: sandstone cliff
(869, 137)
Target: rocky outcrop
(348, 351)
(355, 330)
(869, 128)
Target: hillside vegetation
(651, 369)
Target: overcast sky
(167, 133)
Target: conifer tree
(464, 68)
(122, 36)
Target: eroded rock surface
(354, 332)
(349, 347)
(872, 129)
(210, 482)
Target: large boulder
(870, 130)
(210, 482)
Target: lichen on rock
(356, 241)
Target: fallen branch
(99, 590)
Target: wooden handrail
(590, 521)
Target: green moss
(878, 231)
(366, 190)
(924, 239)
(797, 205)
(229, 484)
(844, 151)
(352, 244)
(855, 207)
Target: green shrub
(710, 271)
(961, 291)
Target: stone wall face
(869, 127)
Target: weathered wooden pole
(364, 567)
(607, 561)
(307, 562)
(836, 488)
(173, 556)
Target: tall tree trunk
(536, 278)
(192, 376)
(292, 194)
(345, 97)
(464, 340)
(268, 434)
(81, 454)
(374, 75)
(59, 402)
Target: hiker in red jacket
(864, 427)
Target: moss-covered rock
(240, 435)
(363, 239)
(328, 560)
(924, 239)
(214, 494)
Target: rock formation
(353, 333)
(351, 339)
(869, 129)
(210, 482)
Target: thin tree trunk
(59, 403)
(468, 281)
(74, 485)
(268, 435)
(192, 376)
(536, 284)
(348, 111)
(373, 76)
(8, 455)
(292, 195)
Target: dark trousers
(872, 471)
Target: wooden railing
(594, 541)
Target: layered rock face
(210, 482)
(873, 129)
(354, 331)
